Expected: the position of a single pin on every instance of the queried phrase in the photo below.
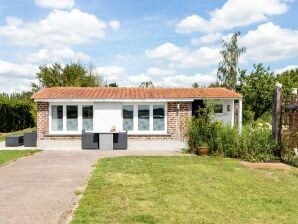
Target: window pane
(87, 112)
(72, 118)
(218, 108)
(158, 117)
(57, 118)
(143, 118)
(127, 112)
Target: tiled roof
(132, 93)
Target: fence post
(277, 113)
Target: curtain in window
(127, 112)
(143, 118)
(158, 117)
(87, 112)
(57, 118)
(72, 118)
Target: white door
(107, 115)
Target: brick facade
(42, 119)
(176, 118)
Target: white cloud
(46, 56)
(152, 71)
(202, 57)
(17, 70)
(287, 68)
(16, 77)
(136, 80)
(183, 57)
(114, 24)
(111, 73)
(186, 80)
(59, 28)
(270, 42)
(233, 14)
(14, 21)
(56, 4)
(207, 39)
(166, 51)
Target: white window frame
(135, 119)
(223, 108)
(80, 118)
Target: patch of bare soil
(275, 165)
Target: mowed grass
(3, 135)
(187, 190)
(8, 155)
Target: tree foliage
(257, 89)
(228, 67)
(289, 80)
(17, 111)
(73, 74)
(148, 84)
(112, 84)
(195, 85)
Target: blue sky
(172, 43)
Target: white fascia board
(115, 100)
(133, 100)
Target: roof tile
(132, 93)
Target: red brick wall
(177, 123)
(42, 119)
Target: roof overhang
(130, 100)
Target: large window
(143, 118)
(57, 118)
(127, 113)
(71, 118)
(158, 117)
(87, 112)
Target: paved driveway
(40, 188)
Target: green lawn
(8, 155)
(3, 135)
(187, 190)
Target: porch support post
(232, 110)
(277, 112)
(240, 115)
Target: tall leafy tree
(289, 80)
(257, 88)
(228, 67)
(74, 74)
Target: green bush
(198, 131)
(257, 144)
(253, 143)
(15, 115)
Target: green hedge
(15, 115)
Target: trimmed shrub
(15, 115)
